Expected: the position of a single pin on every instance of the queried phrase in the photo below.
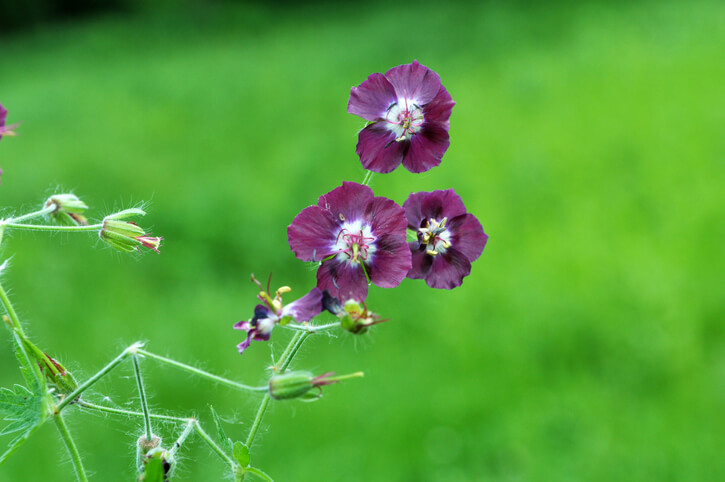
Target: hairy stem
(35, 214)
(142, 397)
(133, 349)
(48, 227)
(182, 438)
(312, 328)
(14, 320)
(258, 420)
(129, 413)
(201, 373)
(218, 450)
(71, 447)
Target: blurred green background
(588, 342)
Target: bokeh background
(588, 342)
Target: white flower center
(405, 119)
(355, 242)
(435, 236)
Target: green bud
(127, 236)
(356, 318)
(292, 385)
(68, 209)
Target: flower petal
(245, 344)
(371, 99)
(343, 280)
(448, 270)
(311, 235)
(414, 82)
(386, 216)
(421, 262)
(467, 236)
(439, 109)
(305, 308)
(426, 148)
(437, 204)
(390, 263)
(378, 150)
(349, 201)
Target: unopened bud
(357, 319)
(127, 236)
(299, 384)
(158, 464)
(68, 209)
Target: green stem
(41, 212)
(71, 447)
(142, 397)
(312, 328)
(284, 362)
(182, 438)
(368, 177)
(15, 321)
(201, 373)
(133, 349)
(218, 450)
(258, 420)
(129, 413)
(340, 378)
(45, 227)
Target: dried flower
(359, 238)
(408, 113)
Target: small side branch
(202, 373)
(142, 397)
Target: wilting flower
(272, 311)
(358, 237)
(408, 112)
(449, 238)
(354, 316)
(5, 130)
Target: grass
(588, 343)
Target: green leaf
(225, 441)
(17, 442)
(259, 473)
(153, 470)
(241, 453)
(29, 369)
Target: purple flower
(358, 237)
(449, 239)
(267, 315)
(5, 130)
(408, 111)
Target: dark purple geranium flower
(267, 315)
(408, 111)
(449, 239)
(357, 236)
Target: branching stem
(218, 450)
(142, 397)
(35, 214)
(49, 227)
(129, 413)
(201, 373)
(312, 328)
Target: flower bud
(158, 464)
(68, 209)
(291, 385)
(127, 236)
(356, 318)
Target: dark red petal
(390, 262)
(245, 344)
(305, 308)
(426, 148)
(371, 99)
(414, 82)
(349, 200)
(343, 280)
(312, 234)
(436, 205)
(448, 270)
(378, 149)
(439, 109)
(467, 235)
(386, 216)
(421, 262)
